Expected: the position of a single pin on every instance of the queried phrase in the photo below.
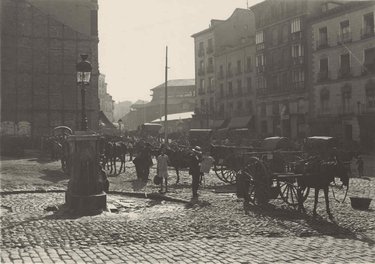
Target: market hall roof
(177, 82)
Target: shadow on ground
(54, 176)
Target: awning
(240, 122)
(104, 119)
(177, 116)
(217, 123)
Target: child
(206, 164)
(162, 169)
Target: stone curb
(154, 196)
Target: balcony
(261, 92)
(322, 44)
(323, 111)
(220, 75)
(210, 50)
(346, 109)
(201, 92)
(296, 36)
(344, 73)
(260, 69)
(260, 47)
(210, 68)
(298, 60)
(367, 32)
(200, 72)
(200, 52)
(368, 69)
(298, 85)
(344, 37)
(324, 76)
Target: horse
(178, 158)
(318, 173)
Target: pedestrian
(146, 161)
(206, 165)
(194, 169)
(162, 169)
(360, 166)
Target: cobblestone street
(213, 230)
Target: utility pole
(166, 97)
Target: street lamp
(83, 69)
(119, 124)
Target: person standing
(146, 161)
(194, 169)
(162, 169)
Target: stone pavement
(213, 230)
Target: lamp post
(119, 124)
(87, 187)
(83, 69)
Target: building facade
(224, 55)
(105, 99)
(181, 98)
(281, 66)
(343, 62)
(41, 43)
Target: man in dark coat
(194, 169)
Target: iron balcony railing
(344, 37)
(323, 76)
(367, 32)
(322, 44)
(298, 60)
(201, 71)
(344, 73)
(260, 68)
(260, 47)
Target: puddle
(135, 208)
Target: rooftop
(177, 82)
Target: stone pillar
(85, 194)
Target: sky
(133, 36)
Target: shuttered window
(259, 38)
(296, 25)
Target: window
(275, 81)
(202, 104)
(229, 69)
(263, 109)
(239, 87)
(295, 25)
(248, 64)
(201, 86)
(209, 46)
(262, 83)
(230, 107)
(298, 76)
(230, 89)
(260, 62)
(284, 80)
(259, 37)
(323, 38)
(274, 37)
(285, 33)
(297, 51)
(212, 105)
(344, 65)
(369, 57)
(344, 27)
(346, 92)
(275, 108)
(200, 49)
(222, 90)
(368, 25)
(201, 65)
(239, 106)
(210, 84)
(248, 84)
(239, 68)
(370, 94)
(221, 109)
(323, 69)
(210, 62)
(221, 72)
(250, 106)
(264, 127)
(324, 100)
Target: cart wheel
(289, 191)
(258, 181)
(224, 169)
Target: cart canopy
(276, 143)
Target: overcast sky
(133, 35)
